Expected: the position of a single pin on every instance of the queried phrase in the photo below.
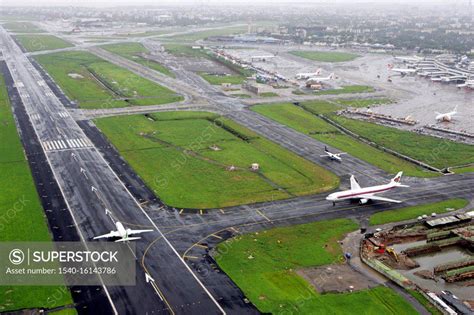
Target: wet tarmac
(414, 96)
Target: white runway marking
(58, 145)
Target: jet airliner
(368, 193)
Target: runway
(88, 186)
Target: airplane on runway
(320, 79)
(307, 75)
(333, 156)
(122, 233)
(446, 116)
(368, 193)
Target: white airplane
(453, 78)
(366, 194)
(409, 59)
(320, 79)
(333, 156)
(446, 116)
(307, 75)
(402, 71)
(468, 83)
(123, 233)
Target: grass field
(66, 311)
(433, 151)
(364, 102)
(174, 155)
(191, 37)
(41, 42)
(269, 279)
(305, 122)
(466, 169)
(21, 27)
(416, 211)
(241, 95)
(325, 56)
(21, 214)
(268, 94)
(96, 83)
(219, 79)
(347, 89)
(134, 52)
(181, 50)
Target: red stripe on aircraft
(366, 192)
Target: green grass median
(306, 122)
(135, 52)
(200, 160)
(96, 83)
(411, 213)
(42, 42)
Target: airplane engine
(363, 201)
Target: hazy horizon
(114, 3)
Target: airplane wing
(372, 197)
(354, 183)
(127, 239)
(111, 234)
(324, 155)
(132, 232)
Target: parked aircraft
(307, 75)
(122, 233)
(320, 79)
(401, 70)
(333, 156)
(468, 83)
(446, 116)
(368, 193)
(410, 59)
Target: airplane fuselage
(359, 193)
(334, 156)
(306, 75)
(121, 229)
(445, 117)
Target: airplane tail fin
(326, 149)
(398, 180)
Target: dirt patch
(336, 278)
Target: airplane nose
(330, 198)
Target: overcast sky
(177, 2)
